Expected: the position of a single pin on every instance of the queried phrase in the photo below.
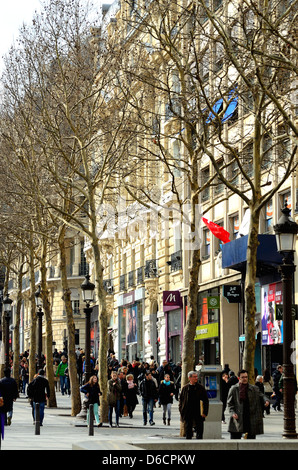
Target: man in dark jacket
(39, 390)
(246, 412)
(193, 406)
(9, 392)
(276, 376)
(149, 394)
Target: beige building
(146, 265)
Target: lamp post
(286, 231)
(7, 306)
(88, 297)
(39, 313)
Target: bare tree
(210, 79)
(75, 141)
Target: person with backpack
(39, 391)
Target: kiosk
(210, 378)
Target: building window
(267, 152)
(286, 198)
(204, 179)
(75, 307)
(234, 224)
(269, 217)
(219, 185)
(247, 159)
(206, 244)
(216, 241)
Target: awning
(268, 258)
(216, 109)
(231, 107)
(233, 103)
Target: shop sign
(171, 300)
(206, 331)
(232, 294)
(129, 298)
(279, 312)
(213, 301)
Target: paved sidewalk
(60, 431)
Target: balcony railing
(176, 261)
(140, 275)
(131, 278)
(122, 282)
(151, 268)
(108, 286)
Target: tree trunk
(52, 403)
(250, 298)
(103, 332)
(72, 367)
(33, 319)
(16, 331)
(189, 332)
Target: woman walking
(166, 393)
(92, 392)
(114, 395)
(130, 390)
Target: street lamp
(7, 306)
(39, 313)
(88, 297)
(286, 232)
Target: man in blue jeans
(39, 390)
(149, 394)
(61, 373)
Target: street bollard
(37, 419)
(91, 418)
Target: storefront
(207, 349)
(130, 328)
(268, 352)
(173, 311)
(272, 325)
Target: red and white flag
(217, 230)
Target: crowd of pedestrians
(146, 384)
(133, 383)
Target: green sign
(213, 301)
(206, 331)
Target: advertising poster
(131, 324)
(272, 328)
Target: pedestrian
(114, 394)
(130, 392)
(277, 391)
(92, 392)
(2, 417)
(123, 408)
(165, 368)
(268, 390)
(166, 393)
(79, 365)
(193, 406)
(63, 365)
(232, 379)
(25, 377)
(9, 392)
(246, 413)
(56, 379)
(39, 390)
(149, 393)
(224, 390)
(260, 385)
